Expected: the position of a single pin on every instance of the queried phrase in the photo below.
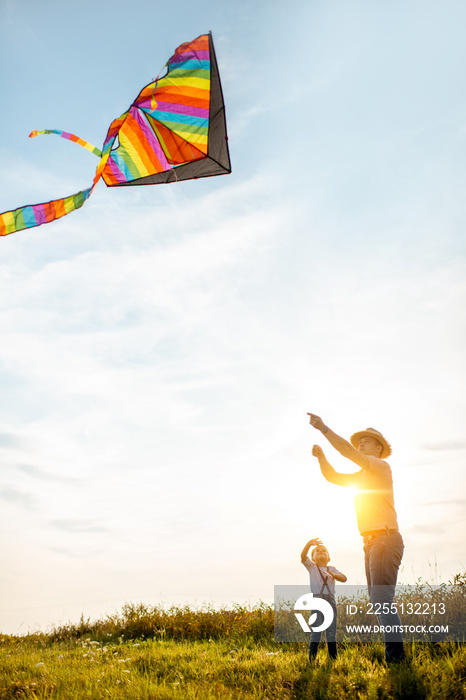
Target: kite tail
(70, 137)
(37, 214)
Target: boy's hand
(328, 574)
(316, 542)
(317, 451)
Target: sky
(161, 346)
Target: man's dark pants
(383, 554)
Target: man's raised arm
(329, 472)
(344, 447)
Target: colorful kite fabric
(70, 137)
(174, 130)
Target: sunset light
(162, 347)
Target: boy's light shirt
(317, 585)
(374, 503)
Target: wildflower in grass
(41, 663)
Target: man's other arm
(329, 472)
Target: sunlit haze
(161, 347)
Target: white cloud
(161, 346)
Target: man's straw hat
(371, 432)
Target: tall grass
(148, 653)
(139, 621)
(255, 623)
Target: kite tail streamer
(70, 137)
(37, 214)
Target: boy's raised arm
(311, 543)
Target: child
(322, 578)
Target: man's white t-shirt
(374, 503)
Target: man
(376, 517)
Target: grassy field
(163, 670)
(150, 654)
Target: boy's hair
(321, 545)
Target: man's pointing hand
(317, 422)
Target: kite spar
(174, 130)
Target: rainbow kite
(174, 130)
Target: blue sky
(162, 345)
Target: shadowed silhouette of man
(376, 517)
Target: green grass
(151, 654)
